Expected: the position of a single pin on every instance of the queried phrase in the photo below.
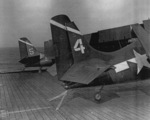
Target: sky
(31, 18)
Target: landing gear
(40, 69)
(97, 95)
(66, 86)
(24, 69)
(70, 91)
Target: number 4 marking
(79, 46)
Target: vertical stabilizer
(26, 48)
(63, 56)
(79, 46)
(49, 49)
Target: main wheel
(97, 97)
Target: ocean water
(9, 58)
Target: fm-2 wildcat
(30, 57)
(79, 65)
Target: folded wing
(143, 36)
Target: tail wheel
(66, 86)
(97, 97)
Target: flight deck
(25, 96)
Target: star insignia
(141, 61)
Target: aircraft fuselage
(41, 63)
(124, 66)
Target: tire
(66, 87)
(97, 97)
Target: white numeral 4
(79, 46)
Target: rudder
(26, 48)
(63, 56)
(28, 53)
(49, 49)
(79, 46)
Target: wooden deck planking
(65, 111)
(4, 99)
(78, 113)
(40, 102)
(34, 94)
(24, 96)
(10, 102)
(17, 99)
(138, 110)
(126, 109)
(30, 102)
(23, 99)
(83, 106)
(100, 114)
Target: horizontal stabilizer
(30, 60)
(52, 70)
(31, 70)
(84, 73)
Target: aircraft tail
(49, 49)
(79, 46)
(63, 56)
(26, 48)
(69, 44)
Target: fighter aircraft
(30, 57)
(80, 65)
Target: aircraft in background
(30, 57)
(49, 49)
(79, 65)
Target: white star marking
(140, 60)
